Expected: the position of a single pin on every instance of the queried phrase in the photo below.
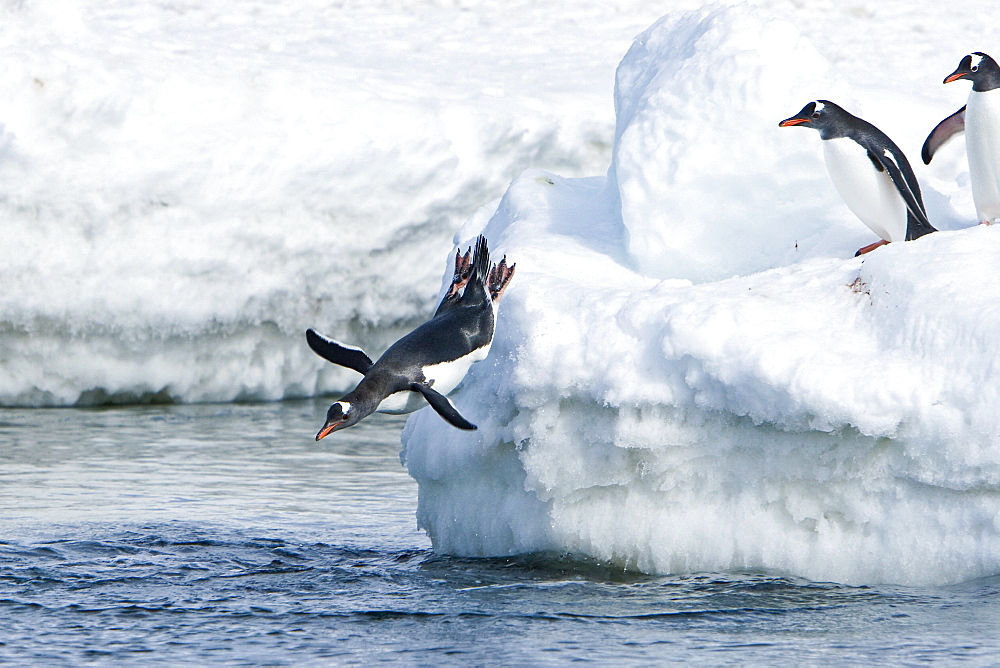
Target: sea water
(226, 534)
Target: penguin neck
(986, 85)
(365, 398)
(847, 127)
(988, 77)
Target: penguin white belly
(404, 401)
(868, 193)
(446, 376)
(982, 141)
(443, 377)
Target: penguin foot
(463, 271)
(986, 222)
(500, 276)
(870, 247)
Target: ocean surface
(225, 534)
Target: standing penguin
(869, 171)
(430, 361)
(980, 120)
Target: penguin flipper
(916, 228)
(338, 353)
(443, 406)
(906, 183)
(875, 161)
(941, 133)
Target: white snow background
(691, 371)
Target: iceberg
(690, 371)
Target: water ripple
(284, 551)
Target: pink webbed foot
(870, 247)
(499, 278)
(463, 271)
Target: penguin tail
(480, 263)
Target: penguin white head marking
(337, 417)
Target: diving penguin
(980, 120)
(869, 171)
(430, 361)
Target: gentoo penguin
(430, 361)
(980, 119)
(869, 171)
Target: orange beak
(327, 430)
(788, 122)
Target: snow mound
(816, 414)
(709, 187)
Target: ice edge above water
(690, 371)
(831, 418)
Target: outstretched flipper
(944, 131)
(338, 353)
(443, 406)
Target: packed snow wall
(817, 414)
(185, 188)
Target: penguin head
(822, 115)
(339, 416)
(980, 69)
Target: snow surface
(690, 372)
(816, 414)
(185, 187)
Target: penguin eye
(815, 114)
(975, 68)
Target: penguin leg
(440, 403)
(870, 247)
(500, 276)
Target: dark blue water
(224, 534)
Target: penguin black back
(431, 360)
(835, 123)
